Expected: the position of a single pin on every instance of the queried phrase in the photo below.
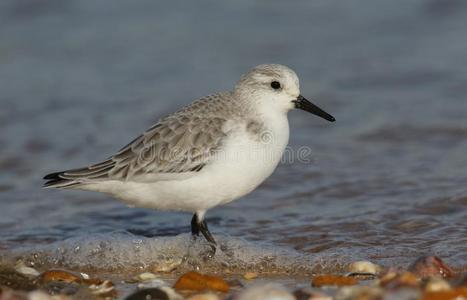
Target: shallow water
(386, 182)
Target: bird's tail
(72, 178)
(55, 180)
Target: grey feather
(183, 142)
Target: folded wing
(180, 145)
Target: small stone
(59, 275)
(329, 280)
(208, 296)
(360, 293)
(21, 268)
(269, 291)
(68, 277)
(436, 284)
(250, 275)
(199, 282)
(146, 276)
(39, 295)
(429, 266)
(364, 267)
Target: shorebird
(209, 153)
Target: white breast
(248, 160)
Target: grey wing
(178, 145)
(175, 147)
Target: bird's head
(278, 88)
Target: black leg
(203, 227)
(194, 226)
(198, 226)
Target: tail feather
(56, 181)
(70, 178)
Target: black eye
(275, 85)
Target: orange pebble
(59, 275)
(323, 280)
(199, 282)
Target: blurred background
(388, 180)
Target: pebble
(436, 284)
(364, 267)
(21, 268)
(146, 276)
(269, 291)
(360, 293)
(59, 275)
(208, 296)
(332, 280)
(429, 266)
(39, 295)
(199, 282)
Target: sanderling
(216, 150)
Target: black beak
(306, 105)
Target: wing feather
(180, 143)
